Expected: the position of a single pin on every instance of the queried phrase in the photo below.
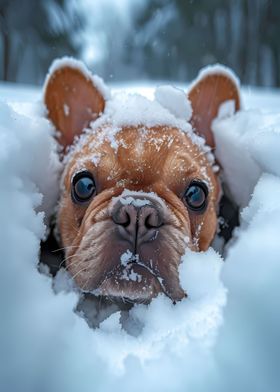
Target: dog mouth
(132, 282)
(120, 274)
(140, 255)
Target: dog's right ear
(214, 86)
(72, 99)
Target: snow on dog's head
(157, 150)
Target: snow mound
(223, 336)
(135, 110)
(130, 109)
(37, 154)
(247, 145)
(174, 100)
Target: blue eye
(83, 187)
(196, 196)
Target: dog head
(138, 188)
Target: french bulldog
(135, 193)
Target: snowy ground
(254, 97)
(225, 337)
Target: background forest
(141, 39)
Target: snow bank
(224, 336)
(248, 145)
(248, 345)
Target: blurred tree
(177, 37)
(158, 39)
(32, 33)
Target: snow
(226, 109)
(135, 202)
(223, 336)
(16, 138)
(139, 198)
(126, 257)
(169, 108)
(130, 274)
(174, 100)
(66, 109)
(134, 110)
(247, 145)
(127, 109)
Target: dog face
(127, 214)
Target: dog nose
(137, 223)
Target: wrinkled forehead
(139, 153)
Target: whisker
(81, 270)
(75, 228)
(65, 259)
(65, 247)
(74, 262)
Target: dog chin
(136, 284)
(132, 284)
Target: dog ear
(206, 95)
(72, 99)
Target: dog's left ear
(206, 95)
(72, 99)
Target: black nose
(137, 224)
